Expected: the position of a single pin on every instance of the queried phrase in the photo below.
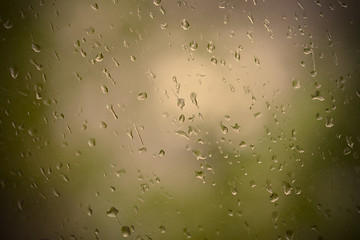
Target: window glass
(179, 119)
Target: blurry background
(179, 119)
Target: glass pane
(179, 119)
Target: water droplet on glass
(142, 150)
(157, 2)
(161, 153)
(92, 142)
(185, 24)
(113, 212)
(210, 47)
(103, 124)
(329, 122)
(181, 103)
(95, 6)
(162, 229)
(142, 96)
(104, 89)
(317, 96)
(99, 57)
(182, 118)
(133, 58)
(237, 54)
(125, 231)
(214, 60)
(257, 115)
(274, 197)
(193, 97)
(14, 72)
(224, 129)
(193, 45)
(295, 84)
(35, 47)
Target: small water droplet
(142, 96)
(103, 124)
(35, 47)
(193, 97)
(142, 150)
(182, 118)
(329, 122)
(181, 103)
(104, 89)
(14, 72)
(211, 47)
(125, 230)
(99, 57)
(185, 24)
(113, 212)
(157, 2)
(95, 6)
(162, 229)
(237, 54)
(257, 115)
(133, 58)
(161, 153)
(224, 129)
(193, 45)
(274, 197)
(214, 60)
(92, 142)
(295, 84)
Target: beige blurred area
(193, 119)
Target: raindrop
(193, 97)
(161, 153)
(181, 103)
(92, 142)
(125, 230)
(94, 6)
(103, 124)
(295, 84)
(257, 115)
(142, 96)
(237, 55)
(99, 57)
(193, 45)
(214, 60)
(224, 129)
(162, 229)
(113, 212)
(104, 89)
(14, 72)
(133, 58)
(329, 122)
(35, 47)
(274, 197)
(142, 150)
(210, 47)
(236, 127)
(185, 24)
(317, 96)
